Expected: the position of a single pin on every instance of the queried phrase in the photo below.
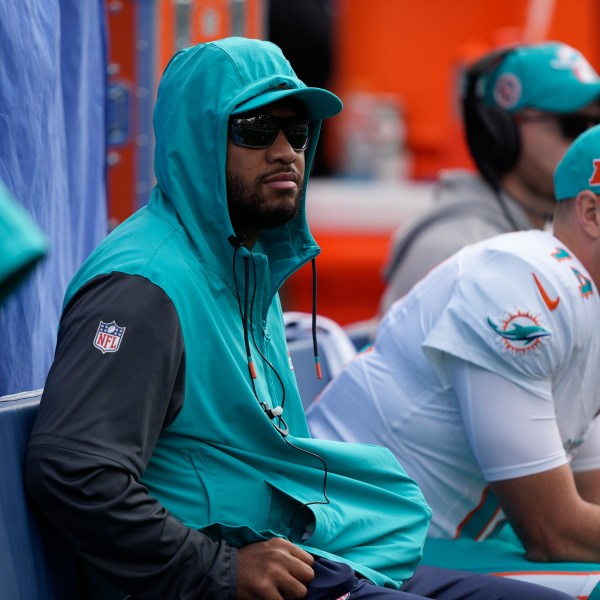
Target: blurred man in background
(522, 107)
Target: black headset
(491, 132)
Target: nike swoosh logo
(549, 302)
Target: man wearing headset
(522, 107)
(483, 380)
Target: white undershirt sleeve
(587, 456)
(512, 432)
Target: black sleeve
(117, 380)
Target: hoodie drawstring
(236, 242)
(246, 318)
(246, 313)
(314, 319)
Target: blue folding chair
(35, 564)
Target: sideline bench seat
(34, 563)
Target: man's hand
(273, 570)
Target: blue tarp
(52, 160)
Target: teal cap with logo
(319, 103)
(547, 76)
(579, 168)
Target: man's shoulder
(534, 246)
(143, 245)
(461, 197)
(461, 214)
(536, 259)
(464, 180)
(540, 252)
(459, 186)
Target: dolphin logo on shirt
(526, 334)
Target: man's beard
(248, 207)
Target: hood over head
(202, 86)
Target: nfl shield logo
(108, 337)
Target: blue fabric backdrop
(52, 159)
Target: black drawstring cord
(237, 290)
(319, 376)
(325, 475)
(236, 242)
(314, 319)
(267, 361)
(246, 317)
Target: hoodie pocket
(236, 495)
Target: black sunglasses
(571, 125)
(260, 131)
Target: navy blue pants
(335, 580)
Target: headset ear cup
(493, 139)
(491, 132)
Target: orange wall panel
(417, 50)
(348, 277)
(121, 158)
(143, 35)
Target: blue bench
(34, 563)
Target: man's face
(544, 140)
(264, 185)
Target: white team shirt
(516, 318)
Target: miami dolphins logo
(521, 332)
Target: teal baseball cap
(319, 103)
(547, 76)
(579, 168)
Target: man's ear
(588, 212)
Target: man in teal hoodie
(171, 448)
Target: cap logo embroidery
(595, 178)
(507, 90)
(108, 337)
(569, 58)
(520, 332)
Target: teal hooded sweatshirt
(222, 466)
